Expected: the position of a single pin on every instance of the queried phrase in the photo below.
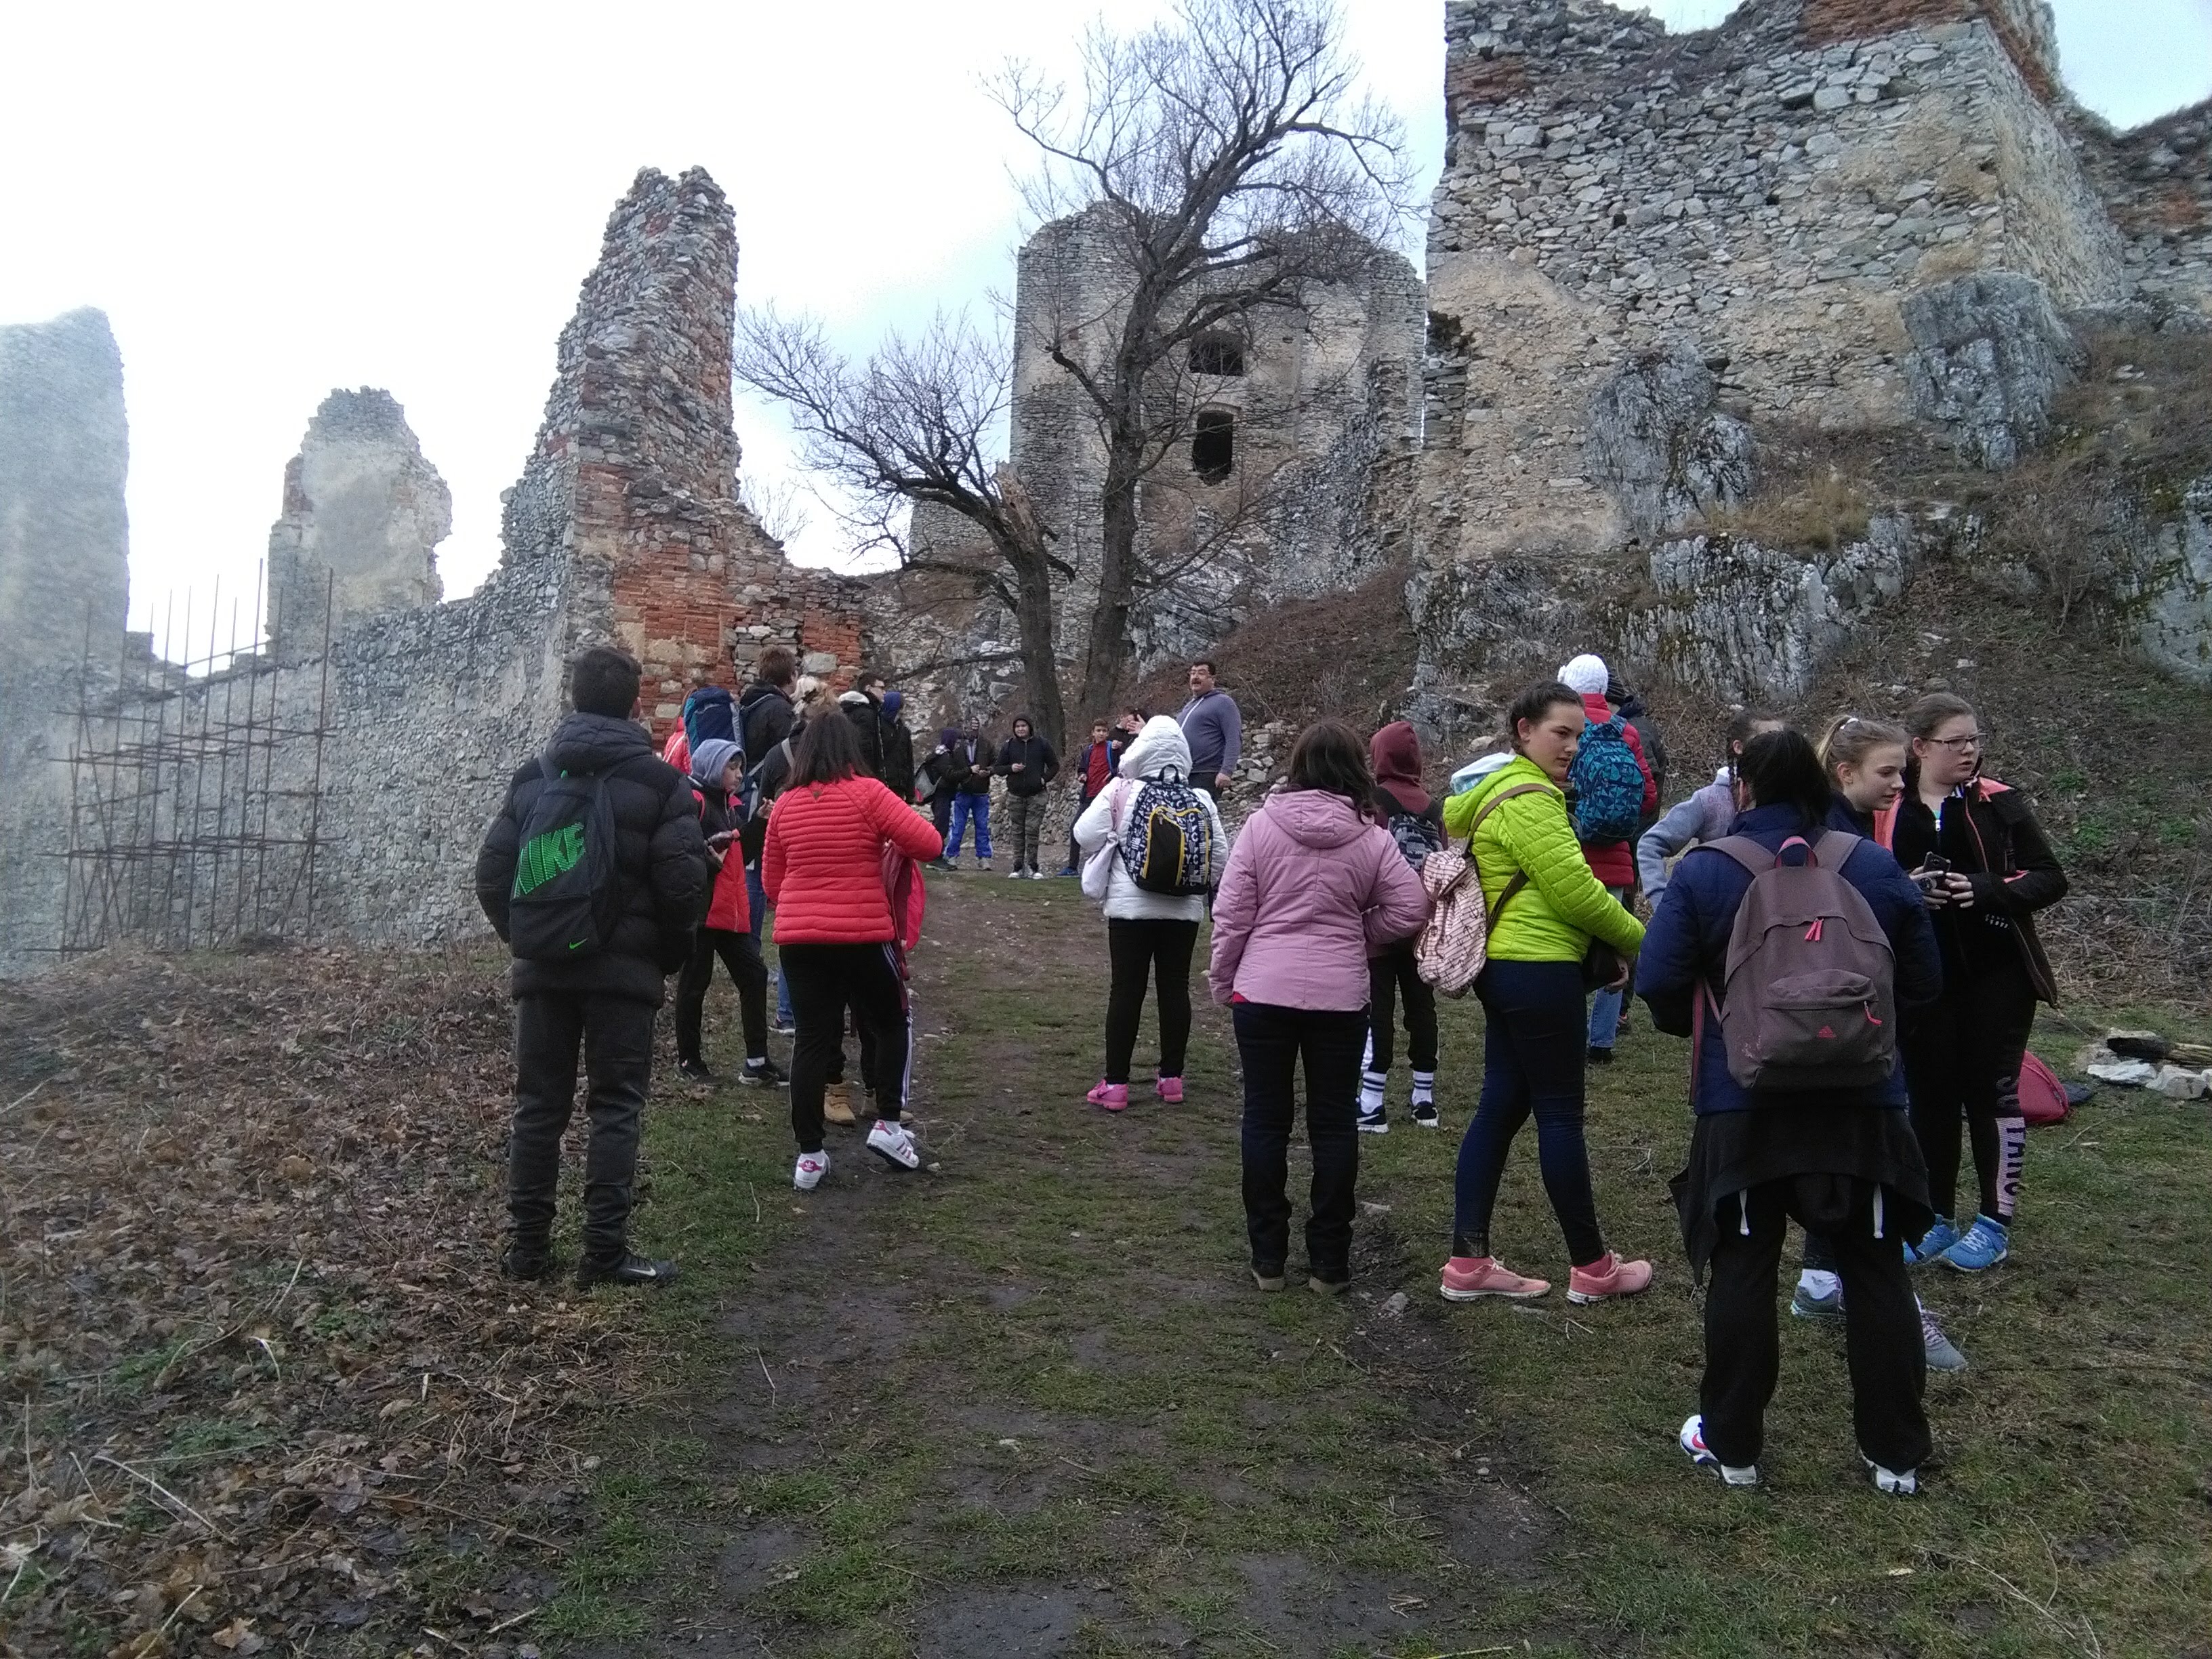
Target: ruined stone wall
(1761, 199)
(1326, 421)
(2156, 181)
(64, 583)
(635, 471)
(624, 528)
(363, 515)
(64, 451)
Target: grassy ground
(1026, 1402)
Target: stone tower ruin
(363, 515)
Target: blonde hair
(1851, 740)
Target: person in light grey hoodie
(1148, 935)
(1705, 816)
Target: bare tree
(777, 503)
(916, 424)
(1235, 168)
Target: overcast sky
(272, 200)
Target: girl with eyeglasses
(1984, 868)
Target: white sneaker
(1014, 874)
(1037, 875)
(1892, 1483)
(894, 1143)
(807, 1174)
(1692, 1442)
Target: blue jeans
(1605, 1005)
(966, 810)
(1532, 1064)
(757, 897)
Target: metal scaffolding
(195, 806)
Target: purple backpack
(1808, 997)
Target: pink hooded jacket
(1313, 889)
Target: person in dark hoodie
(727, 933)
(601, 1000)
(898, 748)
(1416, 822)
(864, 707)
(768, 713)
(1028, 764)
(936, 780)
(1843, 1160)
(1964, 1056)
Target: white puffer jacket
(1160, 745)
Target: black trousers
(1390, 976)
(1962, 1060)
(825, 981)
(1881, 1323)
(1273, 1041)
(1159, 951)
(741, 955)
(940, 814)
(615, 1036)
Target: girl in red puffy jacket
(824, 870)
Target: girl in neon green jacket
(1535, 1029)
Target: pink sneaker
(1471, 1278)
(1169, 1089)
(1114, 1096)
(1608, 1276)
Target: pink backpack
(1808, 991)
(2042, 1095)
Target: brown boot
(837, 1104)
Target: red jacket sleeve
(905, 828)
(772, 858)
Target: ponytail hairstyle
(1329, 757)
(1924, 718)
(1535, 701)
(1741, 726)
(1851, 740)
(1781, 770)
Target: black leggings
(825, 981)
(740, 954)
(1139, 951)
(1387, 975)
(1962, 1060)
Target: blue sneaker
(1983, 1246)
(1939, 1239)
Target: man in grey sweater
(1214, 726)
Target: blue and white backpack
(1607, 784)
(1168, 846)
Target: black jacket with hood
(765, 718)
(1040, 766)
(1990, 836)
(661, 861)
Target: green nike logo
(577, 944)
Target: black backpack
(567, 898)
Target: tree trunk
(1033, 623)
(1108, 657)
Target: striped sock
(1371, 1092)
(1424, 1088)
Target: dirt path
(1029, 1403)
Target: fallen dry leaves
(262, 1389)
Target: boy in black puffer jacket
(603, 1000)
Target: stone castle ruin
(625, 528)
(1839, 215)
(1655, 262)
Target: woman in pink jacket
(1313, 889)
